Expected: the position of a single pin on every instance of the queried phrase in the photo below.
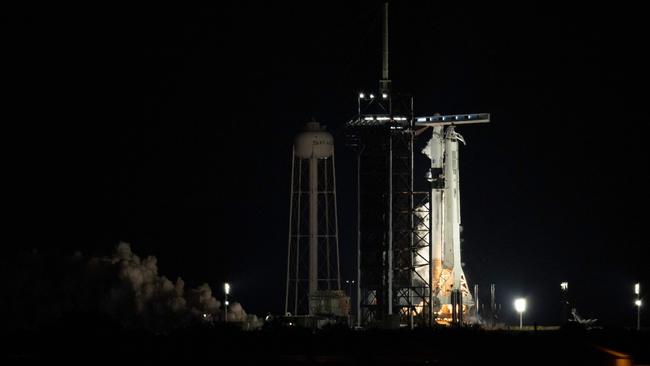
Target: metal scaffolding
(391, 215)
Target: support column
(390, 228)
(313, 225)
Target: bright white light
(372, 96)
(564, 285)
(520, 305)
(637, 303)
(421, 119)
(205, 315)
(227, 302)
(368, 118)
(383, 118)
(384, 95)
(637, 288)
(226, 288)
(361, 95)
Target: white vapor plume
(140, 295)
(121, 287)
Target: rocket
(444, 175)
(445, 215)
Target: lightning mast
(384, 83)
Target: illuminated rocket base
(443, 296)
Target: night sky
(171, 129)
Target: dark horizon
(171, 129)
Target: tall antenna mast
(384, 83)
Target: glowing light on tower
(226, 290)
(637, 302)
(520, 306)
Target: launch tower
(390, 234)
(408, 242)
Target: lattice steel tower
(389, 238)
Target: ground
(333, 346)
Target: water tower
(313, 285)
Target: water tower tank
(314, 141)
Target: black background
(171, 128)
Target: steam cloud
(121, 287)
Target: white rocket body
(445, 215)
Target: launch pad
(408, 241)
